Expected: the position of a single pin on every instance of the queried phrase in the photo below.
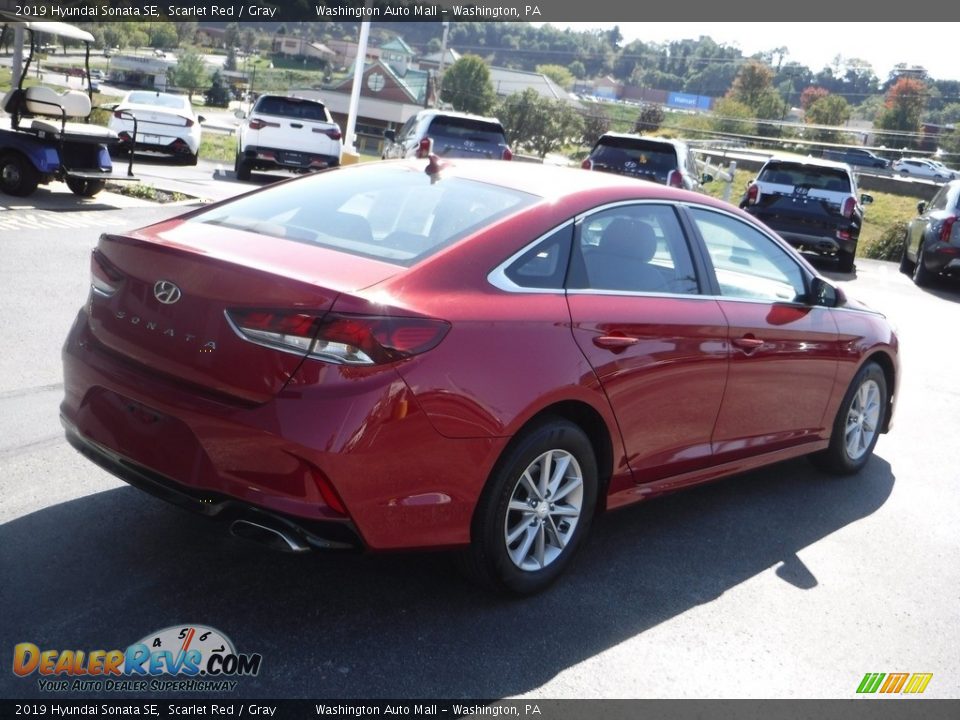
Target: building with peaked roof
(506, 82)
(432, 61)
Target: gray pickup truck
(813, 204)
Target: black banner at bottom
(854, 709)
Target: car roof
(644, 138)
(453, 113)
(808, 160)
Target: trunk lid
(170, 287)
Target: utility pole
(443, 57)
(348, 141)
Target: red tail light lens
(257, 124)
(120, 115)
(425, 148)
(188, 122)
(105, 279)
(946, 230)
(675, 179)
(753, 194)
(341, 339)
(587, 164)
(848, 206)
(332, 133)
(507, 154)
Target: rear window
(634, 156)
(292, 108)
(393, 214)
(467, 129)
(177, 102)
(808, 176)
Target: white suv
(287, 133)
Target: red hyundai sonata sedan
(408, 355)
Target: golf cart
(48, 135)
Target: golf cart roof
(53, 28)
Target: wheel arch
(889, 368)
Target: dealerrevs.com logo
(178, 658)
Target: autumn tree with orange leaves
(905, 102)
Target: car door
(784, 350)
(658, 347)
(919, 225)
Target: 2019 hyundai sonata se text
(410, 355)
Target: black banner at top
(556, 11)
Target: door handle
(747, 343)
(614, 342)
(296, 125)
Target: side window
(748, 264)
(543, 266)
(939, 201)
(405, 130)
(634, 248)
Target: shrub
(889, 246)
(649, 119)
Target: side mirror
(390, 135)
(823, 293)
(239, 114)
(921, 206)
(706, 178)
(201, 119)
(865, 198)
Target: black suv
(668, 162)
(812, 204)
(855, 156)
(448, 134)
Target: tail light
(753, 194)
(332, 133)
(675, 179)
(848, 206)
(507, 154)
(425, 148)
(339, 338)
(188, 122)
(587, 164)
(946, 230)
(105, 279)
(257, 124)
(120, 114)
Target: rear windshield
(467, 129)
(634, 156)
(148, 98)
(292, 108)
(394, 214)
(808, 176)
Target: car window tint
(810, 176)
(397, 214)
(291, 107)
(635, 248)
(633, 156)
(544, 266)
(467, 129)
(748, 264)
(939, 201)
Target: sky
(815, 45)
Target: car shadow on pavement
(105, 570)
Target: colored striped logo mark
(904, 683)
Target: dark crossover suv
(448, 134)
(813, 204)
(932, 242)
(664, 161)
(855, 156)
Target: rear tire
(846, 261)
(921, 276)
(85, 187)
(906, 267)
(18, 176)
(535, 511)
(857, 425)
(241, 168)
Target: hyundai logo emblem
(166, 292)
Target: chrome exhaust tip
(274, 538)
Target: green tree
(231, 62)
(188, 73)
(138, 39)
(828, 110)
(231, 35)
(731, 116)
(163, 35)
(578, 69)
(218, 95)
(650, 118)
(466, 86)
(903, 107)
(596, 121)
(558, 73)
(248, 41)
(539, 124)
(752, 85)
(185, 31)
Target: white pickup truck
(287, 133)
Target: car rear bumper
(266, 158)
(342, 454)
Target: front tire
(85, 187)
(906, 267)
(242, 168)
(18, 176)
(857, 426)
(846, 261)
(535, 511)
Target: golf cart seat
(50, 104)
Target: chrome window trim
(498, 276)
